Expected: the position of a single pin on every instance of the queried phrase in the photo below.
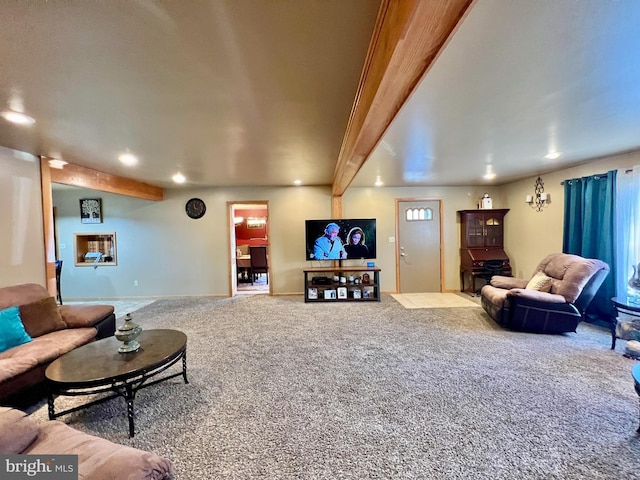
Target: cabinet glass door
(493, 231)
(475, 230)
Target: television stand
(348, 290)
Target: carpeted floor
(280, 389)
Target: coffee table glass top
(99, 361)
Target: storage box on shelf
(341, 284)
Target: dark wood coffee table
(98, 368)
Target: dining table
(243, 264)
(243, 261)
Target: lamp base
(129, 347)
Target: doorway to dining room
(251, 240)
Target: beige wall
(22, 238)
(530, 235)
(170, 254)
(381, 203)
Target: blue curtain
(589, 219)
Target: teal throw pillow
(12, 332)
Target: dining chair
(58, 275)
(259, 262)
(491, 267)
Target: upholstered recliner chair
(553, 301)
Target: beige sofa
(98, 459)
(54, 330)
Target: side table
(624, 306)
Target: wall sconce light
(540, 199)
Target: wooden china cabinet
(482, 239)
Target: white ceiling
(249, 92)
(518, 79)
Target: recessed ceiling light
(552, 155)
(128, 159)
(57, 163)
(17, 117)
(489, 174)
(297, 182)
(379, 182)
(178, 178)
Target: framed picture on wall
(256, 222)
(90, 210)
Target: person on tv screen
(329, 246)
(355, 247)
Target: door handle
(404, 256)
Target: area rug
(432, 300)
(282, 389)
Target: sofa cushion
(12, 332)
(41, 317)
(536, 295)
(570, 273)
(539, 282)
(496, 296)
(41, 350)
(84, 315)
(98, 458)
(21, 294)
(501, 281)
(17, 431)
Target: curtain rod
(602, 174)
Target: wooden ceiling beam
(105, 182)
(408, 36)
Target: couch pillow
(17, 431)
(539, 282)
(12, 331)
(41, 317)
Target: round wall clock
(195, 208)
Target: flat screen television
(340, 239)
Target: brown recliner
(574, 282)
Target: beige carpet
(432, 300)
(280, 389)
